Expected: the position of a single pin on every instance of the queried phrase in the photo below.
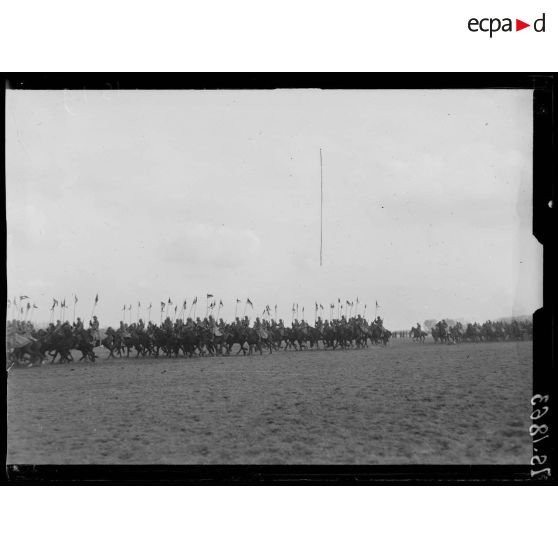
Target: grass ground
(405, 404)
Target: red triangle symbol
(519, 25)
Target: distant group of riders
(200, 337)
(441, 332)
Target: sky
(144, 195)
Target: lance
(94, 304)
(236, 309)
(219, 309)
(303, 313)
(207, 297)
(297, 311)
(364, 311)
(167, 308)
(292, 313)
(195, 305)
(27, 310)
(149, 313)
(52, 313)
(276, 312)
(321, 206)
(356, 311)
(124, 313)
(162, 308)
(175, 310)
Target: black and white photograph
(283, 276)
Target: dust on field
(405, 404)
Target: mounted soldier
(123, 331)
(260, 329)
(214, 328)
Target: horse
(442, 333)
(23, 349)
(85, 342)
(419, 336)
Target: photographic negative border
(545, 161)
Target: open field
(405, 404)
